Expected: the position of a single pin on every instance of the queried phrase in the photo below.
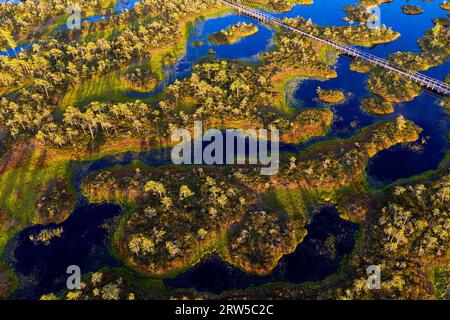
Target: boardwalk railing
(421, 79)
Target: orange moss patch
(6, 282)
(333, 165)
(309, 123)
(361, 66)
(55, 203)
(377, 106)
(330, 96)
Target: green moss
(109, 87)
(20, 187)
(120, 191)
(19, 192)
(441, 282)
(294, 202)
(112, 87)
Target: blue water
(13, 51)
(247, 49)
(43, 268)
(311, 261)
(121, 6)
(397, 162)
(400, 161)
(410, 27)
(85, 241)
(327, 13)
(349, 116)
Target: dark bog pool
(85, 239)
(401, 161)
(330, 239)
(41, 268)
(85, 242)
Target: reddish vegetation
(6, 284)
(13, 158)
(309, 123)
(55, 203)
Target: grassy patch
(441, 280)
(19, 191)
(109, 87)
(112, 87)
(22, 185)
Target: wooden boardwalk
(421, 79)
